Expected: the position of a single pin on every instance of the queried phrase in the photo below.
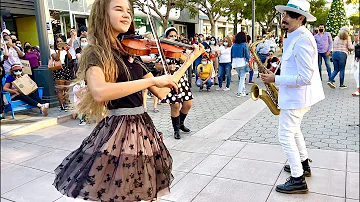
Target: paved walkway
(215, 162)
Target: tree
(156, 5)
(213, 9)
(318, 9)
(336, 18)
(354, 20)
(266, 13)
(237, 11)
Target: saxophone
(270, 95)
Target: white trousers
(356, 76)
(291, 138)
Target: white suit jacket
(299, 82)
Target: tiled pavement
(206, 168)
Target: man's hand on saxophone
(269, 77)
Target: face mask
(29, 47)
(226, 43)
(7, 42)
(212, 42)
(207, 50)
(84, 44)
(18, 45)
(203, 62)
(200, 39)
(321, 30)
(17, 73)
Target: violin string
(160, 50)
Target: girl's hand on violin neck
(198, 50)
(166, 81)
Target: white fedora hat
(298, 6)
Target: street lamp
(253, 21)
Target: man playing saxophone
(300, 87)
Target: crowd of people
(65, 53)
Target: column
(216, 30)
(226, 28)
(43, 76)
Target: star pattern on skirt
(100, 167)
(79, 159)
(146, 137)
(118, 182)
(141, 153)
(131, 146)
(158, 156)
(114, 147)
(106, 152)
(108, 178)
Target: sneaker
(46, 105)
(218, 89)
(156, 110)
(82, 122)
(200, 90)
(226, 89)
(343, 87)
(251, 82)
(356, 93)
(331, 84)
(208, 90)
(1, 117)
(240, 95)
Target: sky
(349, 9)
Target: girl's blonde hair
(100, 52)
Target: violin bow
(157, 40)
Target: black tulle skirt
(123, 159)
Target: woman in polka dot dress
(183, 97)
(64, 75)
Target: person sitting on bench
(31, 99)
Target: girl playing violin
(124, 158)
(184, 95)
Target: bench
(17, 105)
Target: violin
(137, 45)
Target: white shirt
(63, 54)
(299, 82)
(12, 59)
(225, 55)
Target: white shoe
(218, 89)
(226, 89)
(240, 95)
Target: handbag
(54, 65)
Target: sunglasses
(18, 70)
